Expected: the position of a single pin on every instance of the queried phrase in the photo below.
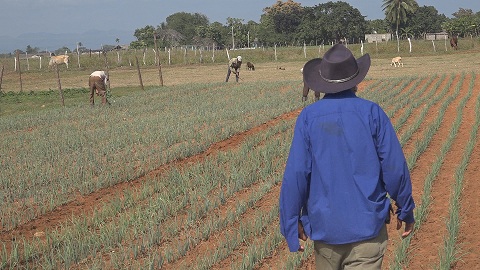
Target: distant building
(436, 36)
(377, 37)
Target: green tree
(31, 50)
(464, 23)
(426, 20)
(167, 37)
(406, 32)
(283, 18)
(238, 33)
(62, 50)
(462, 12)
(398, 11)
(331, 22)
(186, 24)
(218, 33)
(379, 26)
(309, 30)
(144, 37)
(341, 20)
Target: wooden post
(228, 55)
(108, 94)
(1, 77)
(144, 55)
(62, 100)
(185, 55)
(169, 57)
(275, 51)
(28, 63)
(160, 76)
(139, 73)
(78, 55)
(17, 58)
(213, 53)
(107, 71)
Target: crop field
(187, 176)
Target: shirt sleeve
(395, 172)
(293, 193)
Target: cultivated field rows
(217, 207)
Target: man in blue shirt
(344, 165)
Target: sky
(25, 17)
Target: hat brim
(311, 76)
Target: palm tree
(396, 12)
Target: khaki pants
(97, 85)
(364, 255)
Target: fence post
(59, 86)
(139, 73)
(17, 60)
(1, 77)
(157, 56)
(213, 53)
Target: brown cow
(454, 42)
(306, 89)
(250, 66)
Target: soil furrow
(401, 111)
(216, 241)
(408, 148)
(86, 204)
(469, 236)
(432, 232)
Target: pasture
(187, 176)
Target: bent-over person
(234, 66)
(98, 85)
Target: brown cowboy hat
(337, 71)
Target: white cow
(397, 61)
(59, 59)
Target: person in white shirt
(98, 84)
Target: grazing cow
(60, 59)
(250, 66)
(454, 42)
(396, 61)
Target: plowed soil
(425, 250)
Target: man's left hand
(408, 227)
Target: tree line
(288, 23)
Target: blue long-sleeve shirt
(344, 158)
